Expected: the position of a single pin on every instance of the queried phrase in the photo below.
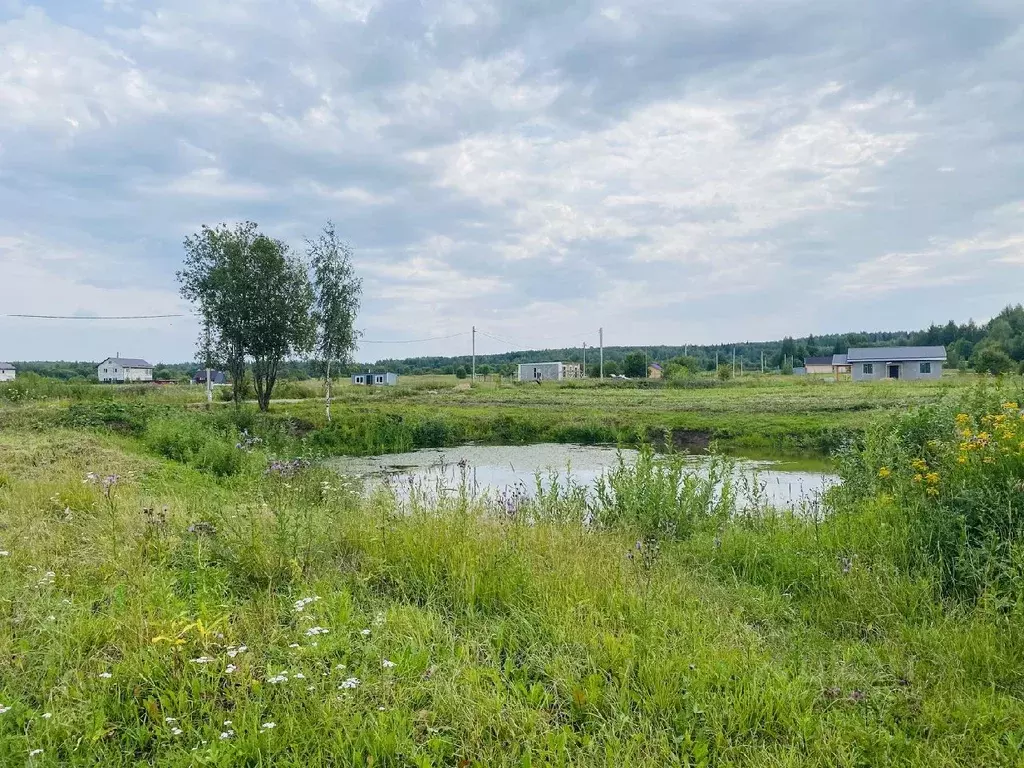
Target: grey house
(375, 379)
(549, 371)
(872, 363)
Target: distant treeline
(996, 347)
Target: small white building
(122, 370)
(7, 372)
(872, 363)
(550, 371)
(375, 379)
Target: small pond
(495, 469)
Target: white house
(550, 371)
(122, 370)
(7, 372)
(372, 379)
(872, 363)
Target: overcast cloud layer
(677, 172)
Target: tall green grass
(648, 621)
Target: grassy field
(174, 592)
(778, 414)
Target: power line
(411, 341)
(94, 317)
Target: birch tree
(254, 296)
(337, 292)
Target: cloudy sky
(674, 171)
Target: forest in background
(993, 347)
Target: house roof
(128, 362)
(655, 365)
(889, 354)
(840, 360)
(818, 360)
(6, 367)
(217, 377)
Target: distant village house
(654, 371)
(814, 365)
(840, 365)
(123, 370)
(550, 371)
(870, 364)
(375, 379)
(217, 378)
(7, 372)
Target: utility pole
(584, 360)
(647, 368)
(716, 361)
(600, 336)
(734, 361)
(762, 361)
(474, 354)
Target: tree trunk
(327, 391)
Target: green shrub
(952, 477)
(663, 496)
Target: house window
(869, 369)
(380, 379)
(926, 367)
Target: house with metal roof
(7, 372)
(121, 370)
(873, 363)
(375, 379)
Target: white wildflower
(4, 710)
(105, 675)
(282, 678)
(294, 645)
(299, 676)
(340, 666)
(351, 682)
(176, 731)
(35, 752)
(4, 553)
(378, 619)
(202, 660)
(268, 726)
(230, 668)
(51, 617)
(380, 709)
(313, 631)
(228, 722)
(227, 734)
(47, 715)
(365, 633)
(310, 687)
(170, 720)
(233, 651)
(387, 664)
(300, 605)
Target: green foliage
(461, 372)
(724, 372)
(992, 359)
(634, 365)
(951, 477)
(255, 300)
(663, 496)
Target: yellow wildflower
(962, 418)
(885, 471)
(933, 491)
(932, 477)
(1010, 406)
(919, 464)
(962, 459)
(918, 478)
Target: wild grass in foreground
(157, 612)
